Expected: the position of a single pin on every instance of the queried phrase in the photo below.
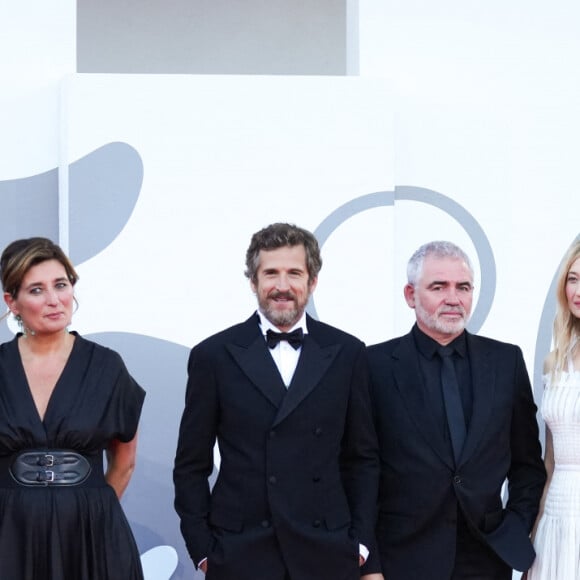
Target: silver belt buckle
(49, 476)
(49, 460)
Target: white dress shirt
(285, 356)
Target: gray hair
(439, 249)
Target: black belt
(50, 467)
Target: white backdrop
(224, 156)
(471, 106)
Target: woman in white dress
(557, 529)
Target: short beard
(433, 322)
(283, 318)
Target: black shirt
(430, 367)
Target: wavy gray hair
(439, 249)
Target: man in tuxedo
(455, 418)
(287, 399)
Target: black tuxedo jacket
(298, 479)
(420, 486)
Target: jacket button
(316, 523)
(272, 479)
(272, 434)
(265, 524)
(318, 432)
(457, 479)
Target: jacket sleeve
(359, 456)
(194, 457)
(527, 475)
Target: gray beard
(433, 322)
(285, 318)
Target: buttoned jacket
(298, 465)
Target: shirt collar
(266, 325)
(428, 347)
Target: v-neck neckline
(57, 385)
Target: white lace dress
(557, 540)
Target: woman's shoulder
(9, 348)
(95, 349)
(549, 363)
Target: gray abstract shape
(29, 208)
(430, 197)
(103, 189)
(5, 333)
(341, 215)
(544, 338)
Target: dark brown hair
(19, 256)
(279, 235)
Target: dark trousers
(474, 560)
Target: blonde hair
(566, 325)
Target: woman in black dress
(63, 401)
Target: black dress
(67, 532)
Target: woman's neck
(45, 344)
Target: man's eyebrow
(448, 283)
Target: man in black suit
(295, 498)
(453, 423)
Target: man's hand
(372, 577)
(203, 567)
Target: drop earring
(18, 319)
(25, 331)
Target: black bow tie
(294, 338)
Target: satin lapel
(251, 354)
(313, 363)
(483, 381)
(409, 383)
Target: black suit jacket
(298, 478)
(420, 486)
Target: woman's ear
(11, 303)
